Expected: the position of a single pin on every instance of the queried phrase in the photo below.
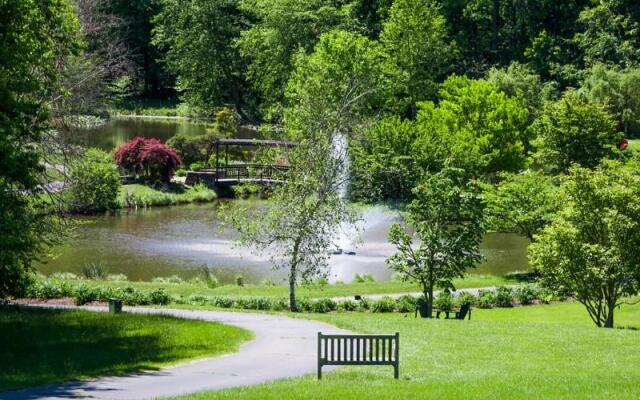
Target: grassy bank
(138, 195)
(535, 352)
(47, 346)
(157, 108)
(313, 291)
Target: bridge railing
(249, 171)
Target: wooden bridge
(223, 176)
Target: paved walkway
(283, 347)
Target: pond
(178, 240)
(119, 130)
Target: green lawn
(38, 347)
(313, 291)
(535, 352)
(145, 196)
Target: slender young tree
(447, 218)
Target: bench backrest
(358, 349)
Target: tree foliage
(447, 217)
(148, 158)
(572, 131)
(95, 182)
(198, 39)
(522, 203)
(34, 37)
(592, 248)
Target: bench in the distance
(359, 350)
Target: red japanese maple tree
(148, 157)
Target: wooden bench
(359, 350)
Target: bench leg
(319, 372)
(396, 371)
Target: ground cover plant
(137, 195)
(549, 351)
(42, 346)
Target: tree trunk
(293, 307)
(428, 297)
(611, 306)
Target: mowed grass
(312, 291)
(40, 346)
(145, 196)
(534, 352)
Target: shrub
(117, 277)
(347, 305)
(95, 183)
(504, 297)
(268, 282)
(304, 304)
(444, 301)
(209, 277)
(239, 280)
(181, 172)
(132, 296)
(364, 278)
(197, 166)
(64, 276)
(94, 271)
(148, 157)
(159, 297)
(364, 304)
(323, 306)
(84, 294)
(406, 304)
(199, 299)
(526, 294)
(486, 299)
(280, 304)
(383, 305)
(466, 298)
(222, 302)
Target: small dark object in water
(336, 251)
(350, 253)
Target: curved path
(283, 347)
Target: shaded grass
(534, 352)
(39, 346)
(313, 291)
(145, 196)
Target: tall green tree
(592, 248)
(610, 33)
(341, 83)
(522, 203)
(416, 42)
(34, 37)
(480, 126)
(618, 91)
(447, 216)
(572, 131)
(198, 39)
(280, 29)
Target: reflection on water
(177, 240)
(119, 130)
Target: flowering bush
(148, 157)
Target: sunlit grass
(535, 352)
(38, 346)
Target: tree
(447, 218)
(619, 92)
(34, 36)
(481, 127)
(609, 33)
(95, 182)
(342, 83)
(149, 158)
(415, 40)
(383, 162)
(592, 248)
(303, 219)
(198, 37)
(523, 203)
(572, 131)
(282, 28)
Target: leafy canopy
(592, 248)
